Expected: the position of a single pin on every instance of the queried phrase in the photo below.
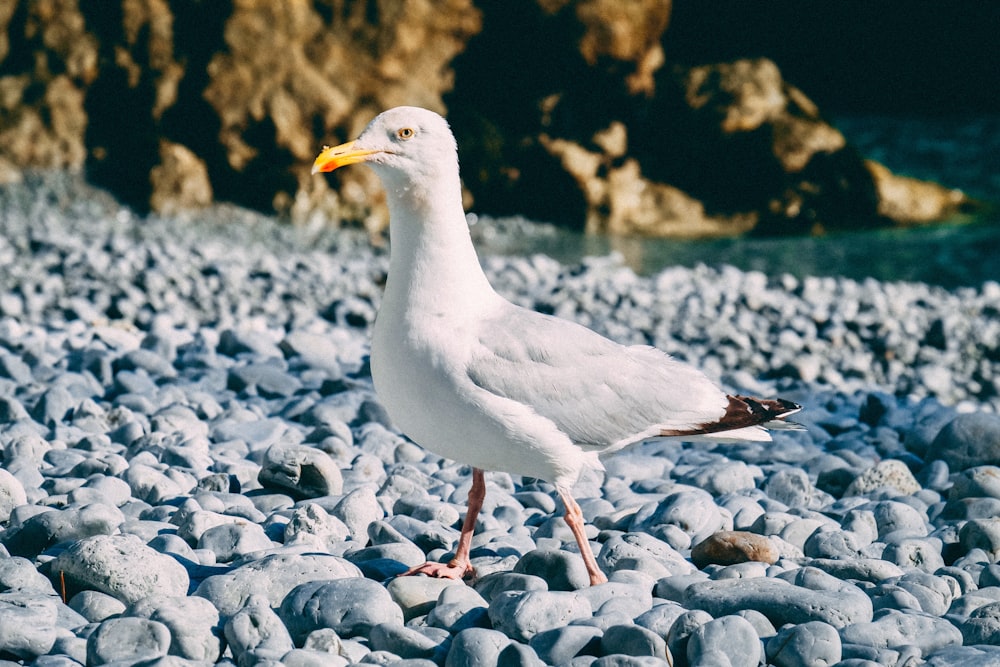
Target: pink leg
(574, 519)
(459, 566)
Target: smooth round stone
(660, 618)
(729, 637)
(517, 654)
(255, 632)
(522, 614)
(127, 639)
(781, 601)
(636, 596)
(683, 627)
(896, 517)
(733, 546)
(562, 570)
(922, 554)
(759, 621)
(978, 482)
(303, 657)
(894, 629)
(232, 540)
(632, 640)
(964, 656)
(121, 566)
(406, 642)
(96, 606)
(46, 529)
(11, 494)
(967, 441)
(150, 484)
(722, 477)
(982, 534)
(474, 647)
(458, 608)
(27, 624)
(19, 575)
(805, 645)
(418, 595)
(983, 625)
(891, 473)
(494, 584)
(832, 544)
(273, 577)
(358, 509)
(790, 486)
(643, 553)
(351, 607)
(193, 623)
(302, 471)
(861, 569)
(933, 592)
(693, 511)
(264, 379)
(560, 645)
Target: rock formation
(564, 110)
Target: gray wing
(601, 394)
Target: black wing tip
(768, 409)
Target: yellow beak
(339, 156)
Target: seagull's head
(403, 145)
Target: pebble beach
(196, 470)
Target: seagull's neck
(433, 266)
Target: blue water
(962, 153)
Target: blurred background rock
(694, 118)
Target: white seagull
(474, 378)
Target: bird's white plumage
(469, 375)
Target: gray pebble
(300, 470)
(11, 494)
(473, 647)
(49, 528)
(194, 624)
(255, 633)
(96, 606)
(272, 577)
(127, 639)
(27, 624)
(643, 553)
(730, 638)
(560, 645)
(803, 645)
(407, 642)
(522, 614)
(692, 510)
(894, 629)
(983, 625)
(680, 633)
(232, 540)
(351, 607)
(416, 596)
(780, 601)
(562, 570)
(633, 640)
(458, 608)
(967, 441)
(121, 566)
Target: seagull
(472, 377)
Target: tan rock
(180, 181)
(908, 200)
(729, 547)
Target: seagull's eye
(405, 133)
